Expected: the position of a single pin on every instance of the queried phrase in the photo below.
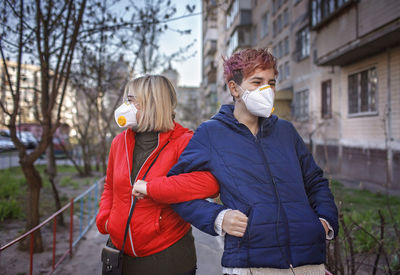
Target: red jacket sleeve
(183, 187)
(107, 196)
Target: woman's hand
(325, 227)
(140, 189)
(234, 223)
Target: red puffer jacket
(154, 226)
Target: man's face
(259, 78)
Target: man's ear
(233, 89)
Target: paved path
(86, 257)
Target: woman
(277, 207)
(159, 241)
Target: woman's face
(133, 100)
(259, 78)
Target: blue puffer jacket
(273, 179)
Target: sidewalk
(86, 256)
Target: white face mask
(125, 115)
(259, 102)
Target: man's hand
(234, 223)
(140, 189)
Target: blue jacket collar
(225, 115)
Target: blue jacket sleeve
(196, 157)
(317, 187)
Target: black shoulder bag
(111, 257)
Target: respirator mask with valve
(125, 115)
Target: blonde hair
(157, 101)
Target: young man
(277, 207)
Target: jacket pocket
(232, 242)
(157, 220)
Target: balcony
(210, 89)
(209, 66)
(241, 38)
(210, 47)
(362, 47)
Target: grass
(13, 190)
(360, 207)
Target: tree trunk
(87, 165)
(32, 219)
(52, 173)
(76, 165)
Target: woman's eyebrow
(256, 78)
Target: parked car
(6, 144)
(27, 138)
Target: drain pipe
(388, 125)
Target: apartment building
(339, 76)
(209, 98)
(360, 42)
(188, 108)
(29, 102)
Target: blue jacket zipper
(289, 255)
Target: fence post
(80, 218)
(71, 226)
(31, 244)
(54, 241)
(96, 194)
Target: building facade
(339, 75)
(30, 97)
(188, 112)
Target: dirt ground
(86, 254)
(15, 261)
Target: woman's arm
(190, 178)
(317, 187)
(179, 188)
(106, 197)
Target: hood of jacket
(225, 115)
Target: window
(300, 110)
(274, 28)
(326, 99)
(275, 51)
(362, 92)
(303, 43)
(280, 49)
(279, 24)
(230, 16)
(285, 17)
(241, 38)
(233, 43)
(274, 6)
(323, 9)
(281, 76)
(287, 70)
(264, 25)
(286, 46)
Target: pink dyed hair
(244, 62)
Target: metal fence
(87, 203)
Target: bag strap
(134, 203)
